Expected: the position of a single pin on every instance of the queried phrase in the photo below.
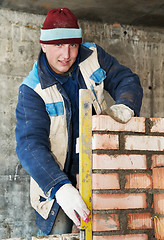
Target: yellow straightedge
(85, 156)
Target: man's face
(60, 56)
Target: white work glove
(72, 203)
(121, 113)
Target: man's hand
(72, 204)
(121, 113)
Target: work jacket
(44, 119)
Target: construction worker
(47, 116)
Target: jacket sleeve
(121, 83)
(32, 136)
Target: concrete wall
(18, 50)
(140, 49)
(73, 236)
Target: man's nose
(66, 51)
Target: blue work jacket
(33, 120)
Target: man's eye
(58, 45)
(73, 45)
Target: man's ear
(43, 46)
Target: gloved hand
(72, 203)
(121, 113)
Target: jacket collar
(46, 76)
(84, 53)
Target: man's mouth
(65, 62)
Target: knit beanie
(60, 27)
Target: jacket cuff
(56, 188)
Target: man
(47, 116)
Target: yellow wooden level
(85, 156)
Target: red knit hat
(60, 27)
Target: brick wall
(127, 178)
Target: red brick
(157, 161)
(140, 221)
(122, 237)
(159, 203)
(159, 227)
(149, 143)
(105, 141)
(158, 125)
(105, 181)
(104, 161)
(116, 24)
(119, 201)
(106, 123)
(138, 180)
(158, 178)
(105, 222)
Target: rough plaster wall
(140, 49)
(18, 50)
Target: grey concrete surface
(141, 49)
(73, 236)
(129, 12)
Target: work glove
(121, 113)
(72, 204)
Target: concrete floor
(128, 12)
